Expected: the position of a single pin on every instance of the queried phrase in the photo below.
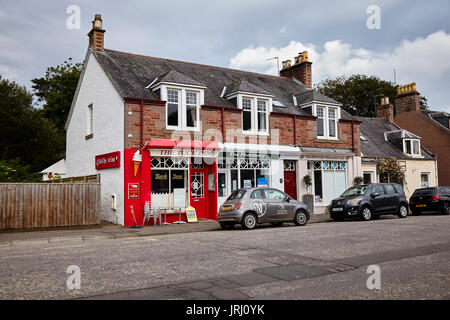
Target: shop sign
(262, 182)
(191, 215)
(133, 191)
(184, 153)
(242, 155)
(107, 161)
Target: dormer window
(255, 115)
(327, 121)
(411, 147)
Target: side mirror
(287, 199)
(374, 195)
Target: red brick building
(432, 127)
(190, 134)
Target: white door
(222, 187)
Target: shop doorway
(290, 178)
(198, 192)
(222, 187)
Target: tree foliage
(390, 171)
(56, 90)
(359, 94)
(28, 142)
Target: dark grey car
(253, 206)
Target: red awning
(171, 144)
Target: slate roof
(313, 95)
(132, 73)
(244, 86)
(176, 77)
(442, 117)
(375, 146)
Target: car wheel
(300, 218)
(249, 221)
(403, 211)
(366, 214)
(226, 225)
(416, 212)
(446, 208)
(277, 224)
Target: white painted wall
(108, 131)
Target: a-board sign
(191, 214)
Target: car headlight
(355, 201)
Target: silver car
(253, 206)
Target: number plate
(338, 209)
(421, 205)
(226, 208)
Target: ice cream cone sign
(137, 159)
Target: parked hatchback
(369, 202)
(430, 199)
(253, 206)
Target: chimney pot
(96, 35)
(301, 70)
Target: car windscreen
(424, 192)
(237, 194)
(355, 191)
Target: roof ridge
(200, 64)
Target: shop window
(329, 180)
(367, 177)
(168, 174)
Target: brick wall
(281, 127)
(407, 102)
(434, 138)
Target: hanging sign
(191, 215)
(107, 161)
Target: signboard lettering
(133, 191)
(107, 161)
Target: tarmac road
(319, 261)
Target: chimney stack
(386, 110)
(301, 70)
(96, 35)
(407, 99)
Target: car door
(277, 206)
(258, 205)
(391, 198)
(378, 201)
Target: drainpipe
(295, 129)
(142, 122)
(223, 125)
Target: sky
(412, 37)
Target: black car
(430, 199)
(369, 202)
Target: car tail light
(237, 206)
(410, 199)
(436, 197)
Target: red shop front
(171, 175)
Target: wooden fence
(43, 205)
(84, 179)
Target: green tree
(359, 94)
(25, 135)
(56, 90)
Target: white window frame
(254, 114)
(428, 174)
(90, 119)
(411, 142)
(182, 109)
(326, 119)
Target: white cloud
(283, 30)
(422, 60)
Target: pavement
(111, 231)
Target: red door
(198, 194)
(290, 184)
